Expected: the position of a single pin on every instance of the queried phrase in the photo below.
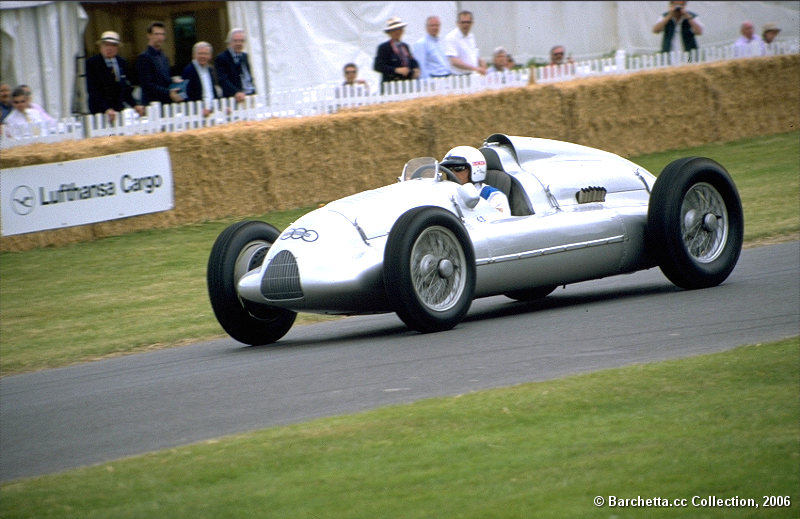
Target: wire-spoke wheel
(695, 223)
(437, 272)
(704, 222)
(429, 269)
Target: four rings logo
(22, 200)
(300, 233)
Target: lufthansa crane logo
(300, 233)
(22, 200)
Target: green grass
(766, 171)
(147, 290)
(720, 425)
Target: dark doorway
(185, 36)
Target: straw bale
(643, 112)
(248, 168)
(756, 96)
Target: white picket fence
(330, 98)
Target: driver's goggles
(458, 168)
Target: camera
(678, 9)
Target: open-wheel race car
(426, 246)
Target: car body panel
(334, 255)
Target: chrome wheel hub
(704, 222)
(436, 268)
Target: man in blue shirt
(429, 53)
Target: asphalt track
(90, 413)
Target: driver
(469, 164)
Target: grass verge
(722, 425)
(147, 290)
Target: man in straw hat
(394, 59)
(107, 79)
(770, 32)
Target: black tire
(695, 223)
(429, 269)
(237, 250)
(532, 294)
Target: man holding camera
(678, 20)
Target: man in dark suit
(107, 79)
(233, 68)
(202, 85)
(394, 59)
(152, 67)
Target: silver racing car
(428, 245)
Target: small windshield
(420, 167)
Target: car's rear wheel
(239, 249)
(695, 223)
(429, 269)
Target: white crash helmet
(467, 156)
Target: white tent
(40, 44)
(302, 44)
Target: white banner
(78, 192)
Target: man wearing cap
(394, 60)
(461, 48)
(107, 79)
(768, 34)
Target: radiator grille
(282, 278)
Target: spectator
(22, 116)
(469, 165)
(558, 56)
(153, 69)
(233, 68)
(678, 20)
(353, 85)
(429, 53)
(768, 34)
(499, 61)
(201, 79)
(107, 80)
(749, 43)
(394, 60)
(45, 116)
(461, 48)
(5, 100)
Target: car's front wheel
(695, 223)
(239, 249)
(429, 269)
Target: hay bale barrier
(247, 168)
